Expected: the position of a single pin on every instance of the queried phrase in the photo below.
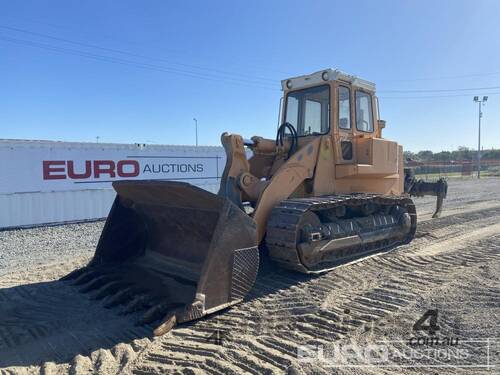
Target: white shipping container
(44, 182)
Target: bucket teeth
(122, 297)
(166, 325)
(73, 274)
(94, 284)
(139, 303)
(156, 313)
(109, 289)
(85, 277)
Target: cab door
(343, 130)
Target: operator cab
(309, 100)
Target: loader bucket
(174, 250)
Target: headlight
(325, 76)
(289, 84)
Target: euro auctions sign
(43, 166)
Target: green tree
(408, 155)
(491, 154)
(425, 155)
(463, 153)
(442, 156)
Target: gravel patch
(26, 248)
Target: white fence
(45, 182)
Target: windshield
(308, 110)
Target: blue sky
(139, 71)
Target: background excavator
(329, 189)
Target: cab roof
(325, 75)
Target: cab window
(344, 95)
(308, 110)
(364, 114)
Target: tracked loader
(327, 190)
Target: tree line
(461, 154)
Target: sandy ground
(356, 319)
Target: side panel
(379, 169)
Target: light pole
(196, 129)
(480, 114)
